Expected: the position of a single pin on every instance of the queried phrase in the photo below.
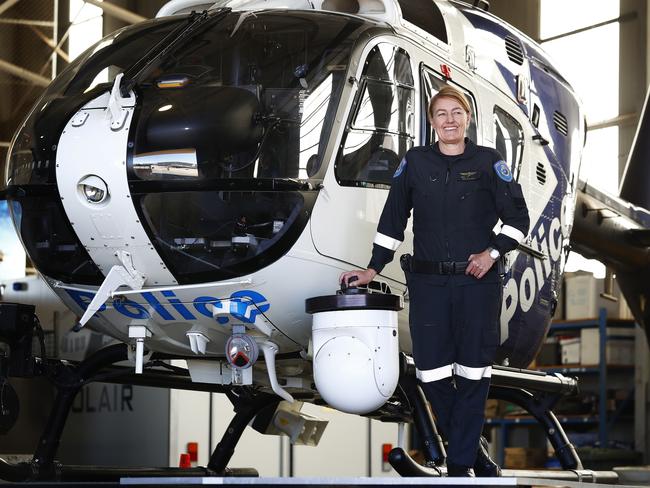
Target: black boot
(459, 471)
(484, 466)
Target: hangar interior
(602, 49)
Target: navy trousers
(455, 332)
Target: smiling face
(449, 119)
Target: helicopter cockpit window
(102, 62)
(509, 139)
(252, 98)
(426, 15)
(432, 82)
(382, 121)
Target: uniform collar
(470, 149)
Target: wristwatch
(494, 253)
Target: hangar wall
(633, 72)
(523, 15)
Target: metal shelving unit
(602, 368)
(602, 420)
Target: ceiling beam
(118, 12)
(51, 43)
(6, 5)
(30, 76)
(39, 23)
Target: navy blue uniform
(457, 202)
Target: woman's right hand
(363, 277)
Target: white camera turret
(356, 348)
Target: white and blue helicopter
(189, 183)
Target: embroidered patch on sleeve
(502, 171)
(400, 168)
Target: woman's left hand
(479, 264)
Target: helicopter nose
(92, 181)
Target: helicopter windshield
(252, 98)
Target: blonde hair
(449, 92)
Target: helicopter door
(380, 129)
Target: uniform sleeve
(511, 208)
(397, 210)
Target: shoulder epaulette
(490, 150)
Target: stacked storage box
(619, 348)
(583, 300)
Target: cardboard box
(570, 350)
(524, 457)
(583, 301)
(492, 408)
(619, 348)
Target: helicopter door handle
(538, 137)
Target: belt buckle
(447, 267)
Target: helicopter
(179, 180)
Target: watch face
(494, 254)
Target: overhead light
(173, 81)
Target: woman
(458, 191)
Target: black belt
(412, 265)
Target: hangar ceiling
(27, 39)
(34, 46)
